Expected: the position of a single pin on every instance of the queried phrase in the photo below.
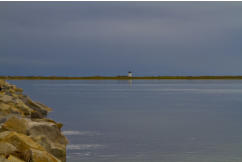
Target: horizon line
(122, 77)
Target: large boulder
(16, 124)
(7, 148)
(48, 135)
(41, 109)
(45, 132)
(26, 148)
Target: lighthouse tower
(129, 74)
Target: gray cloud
(110, 38)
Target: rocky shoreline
(26, 135)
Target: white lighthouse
(129, 74)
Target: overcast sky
(112, 38)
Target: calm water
(146, 120)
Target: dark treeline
(116, 77)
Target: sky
(112, 38)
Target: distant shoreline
(121, 78)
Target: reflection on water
(146, 120)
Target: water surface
(145, 120)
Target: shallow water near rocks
(145, 120)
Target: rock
(43, 156)
(48, 135)
(44, 107)
(48, 129)
(3, 118)
(16, 124)
(45, 132)
(36, 114)
(59, 125)
(58, 150)
(26, 111)
(7, 148)
(41, 110)
(20, 141)
(25, 133)
(10, 158)
(6, 98)
(26, 148)
(8, 109)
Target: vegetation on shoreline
(116, 77)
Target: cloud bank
(111, 38)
